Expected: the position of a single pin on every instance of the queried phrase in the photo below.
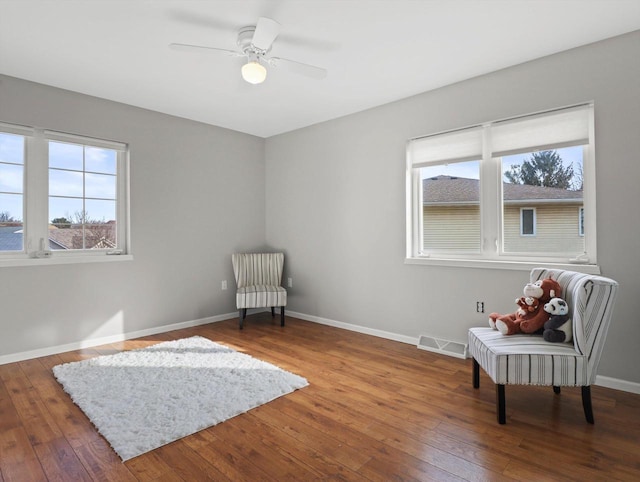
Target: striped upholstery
(529, 360)
(258, 277)
(261, 296)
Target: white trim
(103, 257)
(91, 342)
(503, 264)
(357, 328)
(618, 384)
(608, 382)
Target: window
(505, 191)
(527, 221)
(11, 191)
(62, 196)
(581, 221)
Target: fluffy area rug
(142, 399)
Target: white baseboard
(602, 381)
(360, 329)
(54, 350)
(608, 382)
(618, 384)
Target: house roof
(68, 238)
(460, 190)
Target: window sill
(54, 260)
(503, 264)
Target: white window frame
(36, 202)
(491, 254)
(534, 220)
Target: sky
(81, 178)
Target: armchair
(529, 360)
(258, 277)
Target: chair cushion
(260, 296)
(527, 359)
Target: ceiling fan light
(254, 72)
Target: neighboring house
(536, 218)
(100, 236)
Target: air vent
(446, 347)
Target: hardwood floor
(374, 410)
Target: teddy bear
(530, 316)
(557, 329)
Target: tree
(61, 223)
(8, 220)
(543, 168)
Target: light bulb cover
(254, 72)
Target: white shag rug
(142, 399)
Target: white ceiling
(376, 51)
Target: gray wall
(197, 195)
(336, 201)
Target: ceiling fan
(255, 43)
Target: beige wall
(557, 230)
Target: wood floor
(374, 410)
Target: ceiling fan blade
(266, 32)
(196, 48)
(307, 70)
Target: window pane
(527, 223)
(66, 156)
(67, 208)
(11, 148)
(65, 183)
(11, 234)
(100, 186)
(451, 207)
(100, 211)
(100, 160)
(551, 182)
(11, 178)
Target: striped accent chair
(529, 360)
(258, 277)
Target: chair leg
(273, 311)
(282, 316)
(242, 316)
(500, 403)
(476, 374)
(556, 389)
(586, 404)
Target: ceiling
(375, 51)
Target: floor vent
(446, 347)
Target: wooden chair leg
(586, 404)
(282, 316)
(556, 389)
(500, 404)
(242, 316)
(476, 374)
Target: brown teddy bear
(530, 317)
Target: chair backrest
(591, 299)
(257, 268)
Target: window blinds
(454, 146)
(549, 130)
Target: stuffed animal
(557, 329)
(530, 316)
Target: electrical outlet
(480, 306)
(290, 282)
(224, 284)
